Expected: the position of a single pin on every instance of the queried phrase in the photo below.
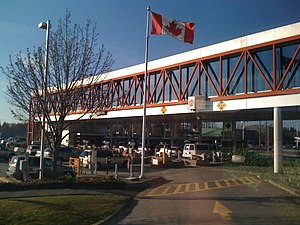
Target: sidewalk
(128, 186)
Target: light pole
(46, 26)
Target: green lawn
(289, 175)
(72, 209)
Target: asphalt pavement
(193, 195)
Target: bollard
(164, 155)
(131, 170)
(116, 172)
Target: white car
(47, 152)
(139, 150)
(202, 151)
(170, 151)
(84, 156)
(238, 158)
(32, 149)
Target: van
(201, 151)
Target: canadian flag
(183, 31)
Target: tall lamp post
(46, 26)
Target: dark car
(64, 153)
(32, 149)
(5, 153)
(14, 170)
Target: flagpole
(145, 96)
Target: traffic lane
(250, 201)
(260, 203)
(236, 203)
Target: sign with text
(199, 103)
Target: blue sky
(122, 25)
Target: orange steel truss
(263, 70)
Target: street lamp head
(42, 25)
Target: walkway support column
(277, 139)
(199, 126)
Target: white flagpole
(145, 97)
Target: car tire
(68, 174)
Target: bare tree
(75, 62)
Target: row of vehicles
(104, 155)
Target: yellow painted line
(186, 187)
(206, 185)
(227, 182)
(245, 181)
(253, 179)
(242, 180)
(166, 190)
(197, 187)
(218, 184)
(178, 189)
(152, 192)
(234, 181)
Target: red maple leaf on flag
(172, 28)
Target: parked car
(64, 153)
(32, 149)
(139, 150)
(19, 150)
(201, 151)
(14, 170)
(47, 152)
(170, 151)
(5, 153)
(16, 142)
(101, 158)
(238, 158)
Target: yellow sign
(221, 105)
(163, 110)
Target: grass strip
(71, 209)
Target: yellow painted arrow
(222, 210)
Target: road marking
(227, 182)
(206, 185)
(177, 189)
(166, 190)
(218, 184)
(197, 186)
(174, 189)
(222, 210)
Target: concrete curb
(284, 187)
(110, 218)
(139, 184)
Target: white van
(201, 151)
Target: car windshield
(84, 153)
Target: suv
(201, 151)
(14, 170)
